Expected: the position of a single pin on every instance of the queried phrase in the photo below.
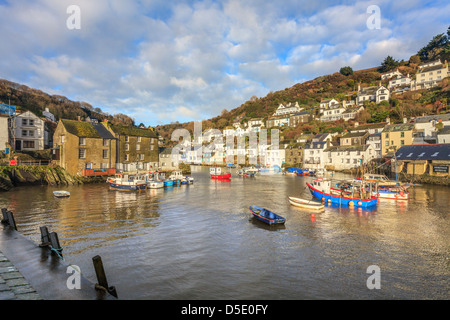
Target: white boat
(380, 179)
(307, 204)
(320, 172)
(61, 194)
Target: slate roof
(399, 127)
(424, 152)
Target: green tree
(389, 64)
(346, 71)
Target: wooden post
(54, 241)
(45, 238)
(101, 276)
(5, 217)
(11, 220)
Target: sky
(161, 61)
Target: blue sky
(162, 61)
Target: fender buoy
(401, 193)
(359, 203)
(378, 195)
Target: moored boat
(306, 204)
(61, 194)
(216, 173)
(321, 189)
(127, 182)
(266, 216)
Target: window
(28, 144)
(31, 122)
(24, 122)
(127, 138)
(105, 142)
(126, 157)
(82, 141)
(141, 156)
(402, 142)
(24, 133)
(105, 153)
(392, 142)
(386, 135)
(138, 147)
(103, 165)
(82, 154)
(63, 139)
(387, 144)
(152, 147)
(127, 147)
(138, 139)
(402, 134)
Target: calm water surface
(200, 242)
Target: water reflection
(201, 242)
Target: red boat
(216, 173)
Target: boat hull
(342, 201)
(123, 187)
(266, 216)
(301, 203)
(61, 194)
(155, 184)
(221, 176)
(394, 195)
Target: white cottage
(27, 132)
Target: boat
(381, 179)
(127, 182)
(320, 172)
(395, 193)
(216, 173)
(168, 183)
(306, 204)
(321, 189)
(154, 180)
(266, 216)
(189, 180)
(61, 194)
(246, 173)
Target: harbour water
(200, 242)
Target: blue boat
(266, 216)
(321, 190)
(168, 183)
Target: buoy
(351, 204)
(313, 217)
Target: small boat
(216, 173)
(154, 180)
(61, 194)
(168, 183)
(127, 182)
(307, 204)
(189, 180)
(266, 216)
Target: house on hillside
(354, 139)
(400, 84)
(390, 74)
(426, 127)
(300, 117)
(376, 94)
(347, 157)
(286, 109)
(313, 154)
(430, 75)
(26, 132)
(395, 136)
(278, 121)
(84, 149)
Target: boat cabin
(215, 171)
(323, 185)
(379, 178)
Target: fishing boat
(154, 180)
(246, 173)
(306, 204)
(61, 194)
(321, 189)
(216, 173)
(127, 182)
(320, 172)
(266, 216)
(381, 179)
(189, 180)
(394, 193)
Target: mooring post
(54, 241)
(101, 276)
(45, 239)
(11, 220)
(5, 217)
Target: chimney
(405, 120)
(388, 120)
(356, 124)
(359, 87)
(79, 118)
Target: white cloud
(156, 60)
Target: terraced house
(137, 148)
(84, 148)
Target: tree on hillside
(346, 71)
(437, 48)
(389, 64)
